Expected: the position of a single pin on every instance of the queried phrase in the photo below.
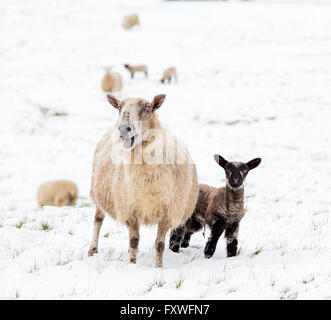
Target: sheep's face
(236, 172)
(135, 115)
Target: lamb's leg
(134, 240)
(231, 234)
(159, 243)
(186, 240)
(98, 219)
(146, 74)
(192, 226)
(216, 231)
(176, 238)
(132, 75)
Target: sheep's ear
(114, 101)
(157, 101)
(253, 163)
(220, 160)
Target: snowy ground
(254, 80)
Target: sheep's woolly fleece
(253, 81)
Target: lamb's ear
(254, 163)
(157, 101)
(220, 160)
(114, 101)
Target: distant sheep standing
(168, 74)
(147, 192)
(111, 82)
(134, 69)
(130, 21)
(57, 193)
(219, 208)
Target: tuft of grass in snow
(83, 205)
(257, 251)
(53, 113)
(191, 259)
(106, 235)
(286, 294)
(219, 280)
(45, 226)
(239, 251)
(34, 267)
(71, 232)
(155, 283)
(17, 252)
(232, 123)
(308, 280)
(19, 225)
(17, 294)
(179, 281)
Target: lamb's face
(236, 172)
(134, 118)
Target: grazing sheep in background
(219, 208)
(130, 21)
(168, 74)
(134, 69)
(111, 82)
(139, 179)
(57, 193)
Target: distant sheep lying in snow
(219, 208)
(168, 74)
(130, 21)
(134, 69)
(162, 193)
(111, 82)
(57, 193)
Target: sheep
(138, 179)
(219, 208)
(57, 193)
(111, 82)
(168, 74)
(134, 69)
(130, 21)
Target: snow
(254, 81)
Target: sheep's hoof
(174, 248)
(184, 244)
(158, 265)
(133, 260)
(209, 253)
(92, 251)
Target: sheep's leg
(231, 234)
(176, 238)
(132, 75)
(186, 240)
(216, 231)
(98, 219)
(192, 226)
(134, 240)
(159, 243)
(146, 74)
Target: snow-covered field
(254, 80)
